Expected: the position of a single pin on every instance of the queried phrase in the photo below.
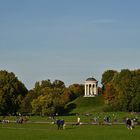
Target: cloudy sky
(68, 40)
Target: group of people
(21, 119)
(60, 124)
(107, 119)
(130, 123)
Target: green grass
(84, 132)
(48, 131)
(87, 104)
(84, 118)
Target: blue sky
(68, 40)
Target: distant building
(91, 87)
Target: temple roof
(91, 79)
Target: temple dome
(91, 79)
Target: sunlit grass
(33, 131)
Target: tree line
(120, 90)
(46, 98)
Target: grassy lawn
(84, 118)
(33, 131)
(87, 105)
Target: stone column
(91, 89)
(95, 89)
(85, 89)
(88, 90)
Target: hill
(84, 105)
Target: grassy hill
(86, 105)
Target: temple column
(85, 89)
(88, 90)
(95, 89)
(91, 89)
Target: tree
(109, 93)
(108, 76)
(47, 104)
(58, 84)
(12, 92)
(26, 106)
(49, 97)
(76, 90)
(135, 89)
(126, 88)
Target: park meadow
(44, 128)
(43, 131)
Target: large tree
(107, 76)
(125, 88)
(46, 98)
(51, 97)
(48, 103)
(12, 92)
(76, 90)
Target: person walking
(78, 121)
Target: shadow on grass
(70, 107)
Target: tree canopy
(12, 92)
(50, 98)
(122, 91)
